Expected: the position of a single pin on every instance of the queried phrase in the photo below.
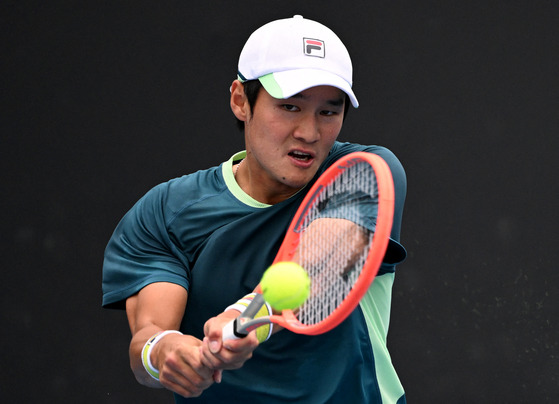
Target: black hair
(252, 88)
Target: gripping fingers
(231, 355)
(189, 382)
(184, 389)
(184, 373)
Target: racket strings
(338, 233)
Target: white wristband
(146, 352)
(242, 304)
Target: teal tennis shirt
(201, 231)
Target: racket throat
(246, 322)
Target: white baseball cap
(293, 54)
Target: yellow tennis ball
(285, 285)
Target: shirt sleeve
(400, 190)
(141, 252)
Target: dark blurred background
(103, 100)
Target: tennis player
(194, 245)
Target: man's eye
(329, 113)
(290, 107)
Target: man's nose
(307, 129)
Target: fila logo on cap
(313, 47)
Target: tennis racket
(339, 234)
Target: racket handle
(230, 331)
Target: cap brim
(287, 83)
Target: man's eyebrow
(337, 102)
(298, 95)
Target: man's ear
(239, 102)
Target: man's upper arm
(161, 304)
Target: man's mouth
(299, 155)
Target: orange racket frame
(287, 318)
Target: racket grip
(230, 331)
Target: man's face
(288, 139)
